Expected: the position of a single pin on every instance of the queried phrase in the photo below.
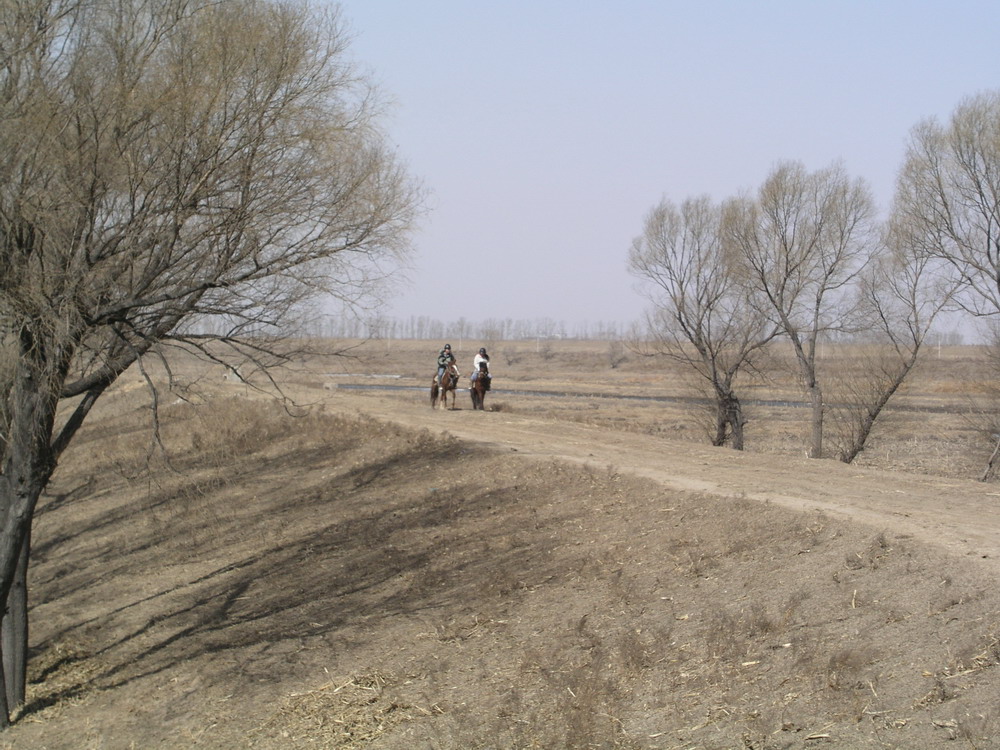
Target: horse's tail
(434, 393)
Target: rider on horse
(445, 357)
(482, 357)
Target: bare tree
(616, 354)
(803, 240)
(901, 295)
(702, 313)
(163, 163)
(948, 191)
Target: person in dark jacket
(445, 357)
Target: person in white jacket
(482, 356)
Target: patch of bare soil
(377, 574)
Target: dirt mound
(340, 580)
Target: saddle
(448, 379)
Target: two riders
(446, 358)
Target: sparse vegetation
(336, 581)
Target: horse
(448, 384)
(479, 386)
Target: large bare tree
(803, 239)
(702, 313)
(948, 192)
(901, 294)
(163, 162)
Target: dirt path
(961, 516)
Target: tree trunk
(27, 465)
(816, 441)
(872, 411)
(14, 556)
(720, 421)
(728, 420)
(989, 464)
(734, 415)
(863, 430)
(14, 632)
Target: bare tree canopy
(164, 161)
(948, 195)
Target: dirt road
(962, 516)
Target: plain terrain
(575, 567)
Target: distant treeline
(422, 327)
(350, 326)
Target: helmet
(447, 346)
(482, 350)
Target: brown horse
(479, 387)
(448, 384)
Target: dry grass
(276, 581)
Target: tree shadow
(392, 535)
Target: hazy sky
(545, 130)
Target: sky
(544, 130)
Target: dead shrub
(940, 692)
(793, 604)
(699, 564)
(230, 428)
(722, 640)
(757, 622)
(846, 670)
(872, 558)
(585, 694)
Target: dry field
(573, 568)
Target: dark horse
(480, 384)
(448, 384)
